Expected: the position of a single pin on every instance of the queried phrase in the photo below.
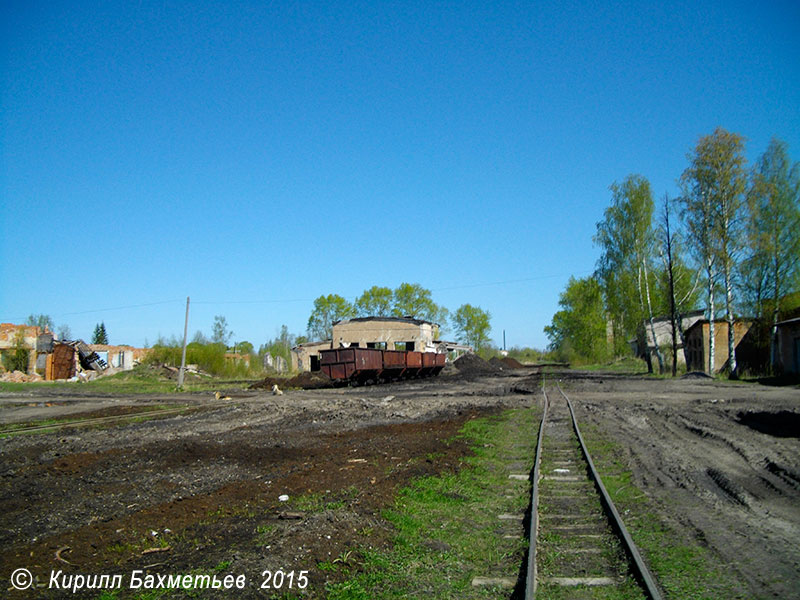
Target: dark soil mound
(511, 363)
(696, 375)
(472, 364)
(307, 380)
(497, 363)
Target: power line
(288, 300)
(526, 279)
(97, 310)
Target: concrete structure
(454, 349)
(305, 357)
(697, 338)
(644, 346)
(386, 333)
(789, 346)
(119, 357)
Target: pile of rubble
(20, 377)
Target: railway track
(579, 546)
(98, 420)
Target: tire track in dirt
(709, 472)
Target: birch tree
(627, 239)
(714, 187)
(774, 231)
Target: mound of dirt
(511, 363)
(307, 380)
(472, 364)
(497, 363)
(696, 375)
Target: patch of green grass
(447, 529)
(309, 502)
(683, 568)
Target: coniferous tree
(100, 336)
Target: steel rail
(530, 580)
(641, 571)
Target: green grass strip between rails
(447, 527)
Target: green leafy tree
(714, 192)
(220, 334)
(100, 336)
(43, 322)
(472, 325)
(281, 345)
(413, 300)
(772, 267)
(244, 347)
(578, 330)
(16, 358)
(375, 302)
(327, 310)
(627, 240)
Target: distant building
(454, 349)
(789, 346)
(22, 336)
(386, 333)
(644, 346)
(697, 338)
(305, 357)
(119, 357)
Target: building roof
(789, 322)
(312, 344)
(411, 320)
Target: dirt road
(721, 459)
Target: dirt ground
(199, 491)
(721, 459)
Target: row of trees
(737, 237)
(471, 324)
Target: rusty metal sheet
(394, 359)
(368, 359)
(414, 360)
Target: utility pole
(672, 314)
(183, 354)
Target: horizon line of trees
(733, 233)
(471, 324)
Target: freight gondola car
(365, 365)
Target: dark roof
(789, 321)
(396, 319)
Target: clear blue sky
(255, 155)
